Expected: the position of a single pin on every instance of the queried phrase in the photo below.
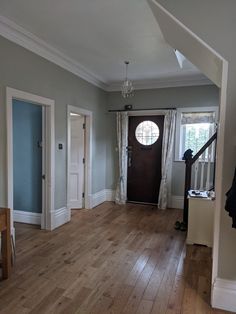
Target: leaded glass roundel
(147, 132)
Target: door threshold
(142, 203)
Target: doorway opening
(77, 161)
(28, 165)
(79, 158)
(20, 193)
(145, 136)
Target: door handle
(129, 151)
(129, 161)
(43, 177)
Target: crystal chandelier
(127, 88)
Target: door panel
(76, 167)
(144, 160)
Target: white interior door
(76, 165)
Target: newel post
(188, 156)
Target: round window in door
(147, 132)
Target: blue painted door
(27, 157)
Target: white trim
(102, 196)
(27, 217)
(98, 198)
(219, 171)
(224, 294)
(60, 217)
(48, 204)
(176, 202)
(110, 195)
(26, 39)
(165, 82)
(88, 153)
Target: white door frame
(49, 132)
(88, 153)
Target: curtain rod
(146, 109)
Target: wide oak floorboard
(112, 259)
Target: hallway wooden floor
(110, 259)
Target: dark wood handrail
(204, 147)
(189, 161)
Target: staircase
(199, 174)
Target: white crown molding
(181, 81)
(26, 39)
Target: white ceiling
(101, 35)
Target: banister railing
(204, 147)
(189, 161)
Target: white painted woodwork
(49, 164)
(209, 159)
(88, 115)
(200, 221)
(76, 167)
(202, 170)
(196, 167)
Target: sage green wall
(177, 97)
(214, 22)
(28, 72)
(189, 96)
(112, 155)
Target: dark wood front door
(144, 158)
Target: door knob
(129, 151)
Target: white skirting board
(224, 294)
(102, 196)
(176, 202)
(60, 217)
(26, 217)
(107, 195)
(63, 215)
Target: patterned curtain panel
(167, 153)
(197, 117)
(122, 140)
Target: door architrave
(49, 158)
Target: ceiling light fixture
(127, 88)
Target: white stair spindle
(209, 158)
(196, 167)
(213, 148)
(202, 169)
